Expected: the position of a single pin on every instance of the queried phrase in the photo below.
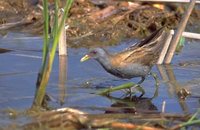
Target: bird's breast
(116, 67)
(129, 71)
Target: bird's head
(94, 53)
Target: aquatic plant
(49, 48)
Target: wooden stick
(175, 1)
(178, 34)
(168, 40)
(62, 40)
(130, 126)
(188, 35)
(165, 48)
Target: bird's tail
(155, 41)
(154, 36)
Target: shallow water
(19, 68)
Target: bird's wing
(140, 55)
(145, 52)
(155, 36)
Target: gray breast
(131, 71)
(127, 72)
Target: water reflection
(2, 50)
(174, 87)
(62, 78)
(131, 105)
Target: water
(19, 68)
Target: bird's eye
(94, 52)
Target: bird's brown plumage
(135, 61)
(145, 52)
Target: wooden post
(62, 45)
(189, 35)
(62, 50)
(165, 48)
(178, 34)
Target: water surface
(19, 68)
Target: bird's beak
(86, 57)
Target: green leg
(156, 84)
(129, 86)
(138, 87)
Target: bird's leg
(156, 84)
(155, 78)
(138, 87)
(142, 80)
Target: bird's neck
(105, 61)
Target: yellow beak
(86, 57)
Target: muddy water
(18, 73)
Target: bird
(134, 61)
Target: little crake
(135, 61)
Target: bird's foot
(131, 91)
(140, 89)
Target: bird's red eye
(94, 52)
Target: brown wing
(154, 36)
(146, 52)
(140, 55)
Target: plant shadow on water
(19, 70)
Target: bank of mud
(94, 23)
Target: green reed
(49, 48)
(194, 120)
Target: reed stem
(47, 61)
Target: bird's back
(145, 52)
